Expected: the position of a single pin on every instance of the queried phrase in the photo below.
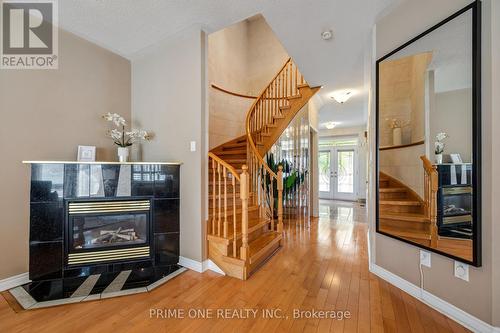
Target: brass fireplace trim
(108, 255)
(457, 219)
(108, 206)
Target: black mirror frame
(476, 135)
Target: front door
(337, 173)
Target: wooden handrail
(261, 118)
(418, 143)
(430, 197)
(232, 93)
(225, 164)
(428, 167)
(249, 115)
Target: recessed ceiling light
(327, 35)
(342, 96)
(331, 124)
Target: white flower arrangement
(439, 144)
(397, 123)
(121, 137)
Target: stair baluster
(430, 196)
(244, 213)
(280, 198)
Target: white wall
(168, 97)
(475, 296)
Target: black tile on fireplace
(167, 249)
(48, 290)
(142, 180)
(76, 180)
(167, 181)
(136, 265)
(46, 260)
(110, 175)
(46, 222)
(46, 182)
(166, 215)
(87, 270)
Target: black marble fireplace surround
(56, 186)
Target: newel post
(244, 193)
(280, 198)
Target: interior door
(344, 173)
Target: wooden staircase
(244, 228)
(403, 213)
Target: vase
(396, 136)
(439, 158)
(123, 154)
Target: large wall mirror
(428, 139)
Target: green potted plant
(292, 179)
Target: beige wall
(46, 114)
(453, 115)
(242, 58)
(475, 296)
(168, 97)
(492, 102)
(228, 68)
(402, 95)
(405, 165)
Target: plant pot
(439, 158)
(123, 154)
(396, 136)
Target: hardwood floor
(322, 265)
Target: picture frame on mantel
(86, 154)
(419, 213)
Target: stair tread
(231, 152)
(400, 202)
(262, 241)
(393, 189)
(253, 223)
(409, 234)
(404, 217)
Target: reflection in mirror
(426, 160)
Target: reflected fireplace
(108, 230)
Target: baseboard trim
(465, 319)
(14, 281)
(200, 267)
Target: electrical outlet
(425, 258)
(193, 145)
(462, 271)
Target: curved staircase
(402, 211)
(245, 223)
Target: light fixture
(331, 124)
(341, 96)
(327, 35)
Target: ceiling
(128, 26)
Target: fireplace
(107, 230)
